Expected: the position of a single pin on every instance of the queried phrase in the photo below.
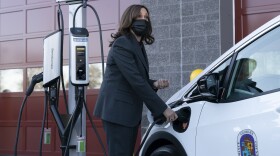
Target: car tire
(167, 150)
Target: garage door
(23, 25)
(250, 14)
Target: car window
(256, 68)
(222, 70)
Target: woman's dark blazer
(126, 85)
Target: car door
(246, 121)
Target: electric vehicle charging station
(78, 76)
(73, 134)
(71, 126)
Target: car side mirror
(208, 86)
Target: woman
(126, 83)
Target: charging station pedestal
(80, 126)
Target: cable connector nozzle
(35, 79)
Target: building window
(11, 80)
(95, 76)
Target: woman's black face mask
(140, 27)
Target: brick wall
(187, 34)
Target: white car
(232, 108)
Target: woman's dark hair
(129, 15)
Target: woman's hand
(170, 115)
(161, 84)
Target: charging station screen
(80, 63)
(80, 50)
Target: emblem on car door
(247, 144)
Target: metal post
(80, 124)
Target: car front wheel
(166, 150)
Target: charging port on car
(182, 123)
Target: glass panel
(11, 80)
(95, 75)
(257, 68)
(65, 77)
(30, 73)
(222, 70)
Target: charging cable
(72, 121)
(159, 120)
(60, 19)
(18, 125)
(35, 79)
(84, 5)
(94, 128)
(81, 99)
(183, 117)
(44, 118)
